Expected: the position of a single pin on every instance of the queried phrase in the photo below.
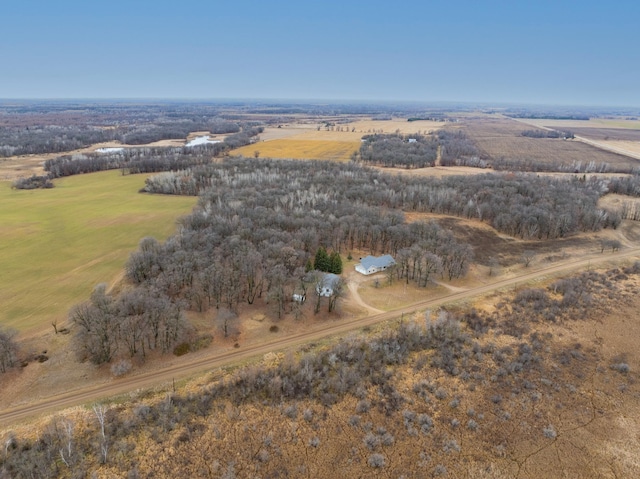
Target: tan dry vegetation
(286, 131)
(616, 201)
(400, 125)
(596, 123)
(631, 148)
(613, 134)
(501, 138)
(565, 414)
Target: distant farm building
(374, 264)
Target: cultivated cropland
(231, 289)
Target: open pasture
(501, 139)
(57, 244)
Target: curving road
(145, 380)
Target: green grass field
(57, 244)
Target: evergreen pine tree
(335, 263)
(322, 260)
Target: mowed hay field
(501, 138)
(57, 244)
(319, 142)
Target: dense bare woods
(521, 205)
(259, 223)
(409, 151)
(257, 226)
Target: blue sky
(545, 52)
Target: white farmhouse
(373, 264)
(325, 287)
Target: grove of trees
(548, 134)
(410, 151)
(8, 350)
(132, 324)
(257, 226)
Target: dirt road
(155, 378)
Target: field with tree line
(257, 226)
(135, 160)
(444, 393)
(503, 147)
(52, 128)
(452, 393)
(59, 243)
(259, 223)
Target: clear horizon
(546, 53)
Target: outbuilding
(374, 264)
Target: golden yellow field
(319, 142)
(301, 149)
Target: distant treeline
(548, 134)
(441, 117)
(534, 166)
(56, 139)
(549, 116)
(146, 159)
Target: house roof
(377, 261)
(330, 279)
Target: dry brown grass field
(500, 138)
(621, 136)
(596, 123)
(566, 412)
(608, 134)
